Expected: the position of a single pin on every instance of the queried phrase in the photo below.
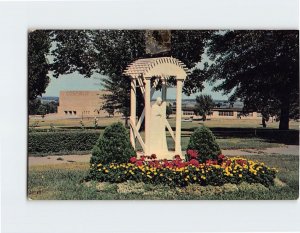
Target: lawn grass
(213, 123)
(63, 182)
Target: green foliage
(259, 67)
(81, 50)
(33, 106)
(39, 44)
(53, 142)
(64, 182)
(204, 105)
(113, 146)
(203, 141)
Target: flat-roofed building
(80, 104)
(224, 112)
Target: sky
(77, 82)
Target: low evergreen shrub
(204, 142)
(113, 146)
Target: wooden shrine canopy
(142, 71)
(152, 67)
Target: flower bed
(180, 173)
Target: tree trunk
(126, 121)
(284, 114)
(264, 122)
(204, 117)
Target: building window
(225, 113)
(66, 112)
(74, 112)
(188, 113)
(70, 112)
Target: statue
(158, 137)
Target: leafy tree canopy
(260, 67)
(108, 52)
(39, 45)
(204, 105)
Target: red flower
(221, 157)
(181, 165)
(241, 162)
(143, 157)
(194, 162)
(138, 163)
(153, 156)
(133, 159)
(228, 162)
(193, 154)
(211, 162)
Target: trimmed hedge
(53, 142)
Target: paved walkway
(59, 159)
(285, 150)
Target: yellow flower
(240, 175)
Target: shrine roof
(148, 67)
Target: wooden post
(178, 117)
(147, 114)
(132, 111)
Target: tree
(204, 105)
(169, 110)
(33, 106)
(259, 67)
(42, 110)
(39, 44)
(109, 108)
(109, 52)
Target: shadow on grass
(290, 137)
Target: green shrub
(204, 142)
(113, 146)
(62, 142)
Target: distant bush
(113, 146)
(204, 142)
(64, 141)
